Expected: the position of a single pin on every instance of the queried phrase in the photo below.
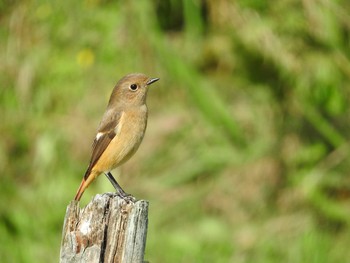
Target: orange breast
(131, 130)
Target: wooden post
(108, 229)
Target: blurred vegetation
(246, 156)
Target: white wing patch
(99, 135)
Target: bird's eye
(133, 87)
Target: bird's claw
(127, 197)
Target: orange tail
(88, 178)
(81, 190)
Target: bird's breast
(133, 125)
(129, 135)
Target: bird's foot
(127, 197)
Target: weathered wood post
(108, 229)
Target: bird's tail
(81, 190)
(88, 178)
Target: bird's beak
(152, 80)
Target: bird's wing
(106, 132)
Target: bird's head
(131, 90)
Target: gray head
(131, 90)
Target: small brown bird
(121, 130)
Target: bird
(120, 132)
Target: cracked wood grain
(108, 229)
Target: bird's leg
(120, 191)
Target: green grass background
(246, 155)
